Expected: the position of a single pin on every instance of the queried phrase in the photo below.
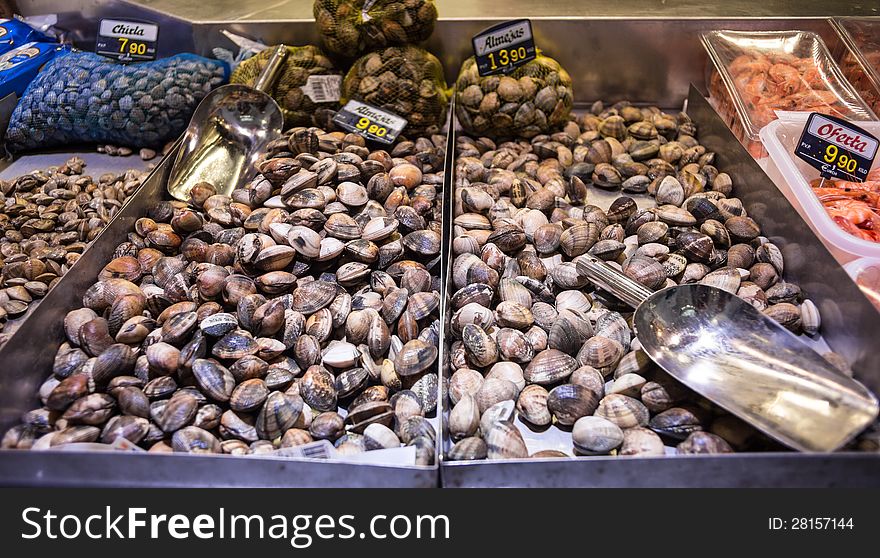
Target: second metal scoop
(727, 351)
(228, 131)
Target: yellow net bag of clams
(305, 97)
(349, 28)
(407, 81)
(533, 99)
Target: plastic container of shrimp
(858, 55)
(793, 176)
(754, 74)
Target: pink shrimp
(856, 212)
(835, 194)
(787, 79)
(749, 65)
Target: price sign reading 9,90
(366, 125)
(839, 149)
(371, 122)
(502, 48)
(127, 40)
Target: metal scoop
(228, 131)
(730, 353)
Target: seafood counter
(414, 312)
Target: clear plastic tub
(859, 57)
(866, 274)
(753, 74)
(793, 176)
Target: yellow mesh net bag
(307, 90)
(349, 28)
(535, 98)
(407, 81)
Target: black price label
(127, 40)
(839, 149)
(372, 123)
(503, 48)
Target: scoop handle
(272, 70)
(613, 281)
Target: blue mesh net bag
(82, 97)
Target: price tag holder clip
(504, 47)
(837, 148)
(371, 122)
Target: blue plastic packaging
(14, 33)
(19, 66)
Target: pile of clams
(48, 217)
(535, 346)
(304, 307)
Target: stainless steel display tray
(648, 60)
(26, 361)
(849, 325)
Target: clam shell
(192, 439)
(464, 382)
(703, 442)
(569, 332)
(532, 405)
(318, 389)
(179, 412)
(313, 296)
(468, 449)
(549, 366)
(504, 441)
(279, 413)
(464, 419)
(493, 391)
(481, 348)
(676, 422)
(569, 402)
(641, 441)
(594, 435)
(214, 379)
(623, 411)
(416, 356)
(248, 395)
(601, 353)
(379, 436)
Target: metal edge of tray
(26, 359)
(446, 259)
(848, 323)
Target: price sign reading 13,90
(839, 149)
(502, 48)
(127, 41)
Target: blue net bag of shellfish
(84, 98)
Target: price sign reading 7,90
(127, 40)
(502, 48)
(839, 149)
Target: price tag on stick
(371, 122)
(503, 48)
(839, 149)
(127, 40)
